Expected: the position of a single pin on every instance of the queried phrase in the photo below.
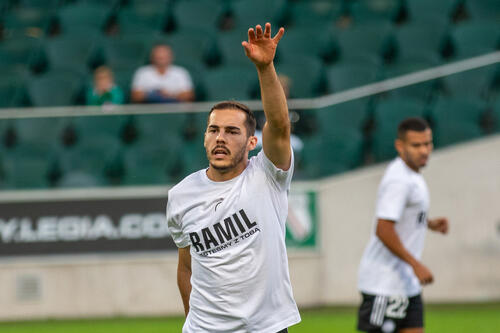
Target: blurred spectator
(104, 89)
(162, 82)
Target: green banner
(302, 222)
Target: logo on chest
(221, 235)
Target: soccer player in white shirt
(229, 220)
(390, 273)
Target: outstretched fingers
(259, 31)
(278, 35)
(251, 35)
(267, 31)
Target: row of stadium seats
(308, 78)
(137, 15)
(84, 49)
(158, 149)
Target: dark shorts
(386, 314)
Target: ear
(252, 143)
(398, 144)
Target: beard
(238, 157)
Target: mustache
(220, 147)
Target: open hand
(260, 47)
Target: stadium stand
(330, 46)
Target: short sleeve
(281, 178)
(138, 80)
(174, 226)
(186, 83)
(392, 198)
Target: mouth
(220, 152)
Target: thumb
(246, 46)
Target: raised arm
(261, 49)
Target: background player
(229, 220)
(391, 274)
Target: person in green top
(104, 89)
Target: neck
(409, 165)
(222, 175)
(162, 69)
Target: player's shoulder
(145, 70)
(397, 171)
(187, 185)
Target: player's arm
(439, 224)
(387, 234)
(261, 49)
(184, 276)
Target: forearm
(184, 284)
(273, 98)
(391, 240)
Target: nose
(220, 137)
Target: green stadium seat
(316, 13)
(455, 120)
(153, 127)
(43, 131)
(92, 155)
(229, 83)
(424, 91)
(250, 13)
(350, 75)
(55, 88)
(194, 45)
(484, 9)
(474, 83)
(351, 115)
(29, 19)
(306, 74)
(80, 179)
(203, 14)
(80, 15)
(474, 38)
(123, 79)
(368, 10)
(26, 173)
(13, 86)
(231, 51)
(369, 38)
(148, 163)
(387, 116)
(130, 51)
(22, 50)
(89, 127)
(310, 42)
(422, 8)
(329, 154)
(193, 158)
(77, 51)
(145, 18)
(420, 38)
(496, 116)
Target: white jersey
(236, 230)
(176, 79)
(402, 197)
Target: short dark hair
(416, 124)
(250, 122)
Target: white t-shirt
(402, 197)
(175, 80)
(236, 230)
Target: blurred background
(83, 183)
